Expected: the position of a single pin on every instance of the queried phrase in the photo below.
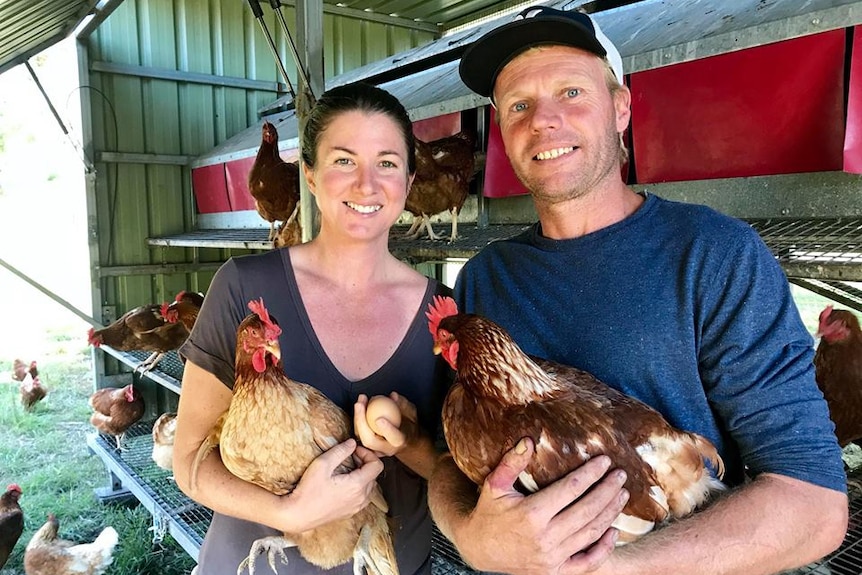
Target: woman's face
(360, 179)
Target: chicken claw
(274, 545)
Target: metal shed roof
(648, 34)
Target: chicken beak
(437, 349)
(275, 349)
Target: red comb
(441, 307)
(180, 295)
(272, 330)
(164, 310)
(14, 487)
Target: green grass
(45, 452)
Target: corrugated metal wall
(148, 65)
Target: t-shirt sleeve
(756, 359)
(212, 342)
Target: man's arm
(505, 531)
(772, 524)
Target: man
(674, 304)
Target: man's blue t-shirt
(683, 308)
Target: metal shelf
(168, 373)
(473, 239)
(185, 520)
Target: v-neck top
(412, 370)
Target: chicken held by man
(144, 328)
(47, 554)
(502, 395)
(272, 431)
(838, 369)
(444, 168)
(164, 430)
(274, 183)
(11, 521)
(115, 410)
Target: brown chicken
(11, 521)
(116, 409)
(838, 368)
(184, 309)
(48, 555)
(273, 429)
(143, 328)
(164, 430)
(288, 234)
(274, 183)
(32, 391)
(501, 395)
(444, 169)
(20, 370)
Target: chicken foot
(364, 560)
(274, 545)
(149, 363)
(415, 228)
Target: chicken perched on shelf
(116, 409)
(501, 395)
(164, 429)
(46, 554)
(11, 521)
(274, 183)
(444, 169)
(288, 234)
(838, 369)
(143, 328)
(296, 423)
(184, 309)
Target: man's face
(560, 123)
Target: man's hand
(564, 528)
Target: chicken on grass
(46, 554)
(11, 521)
(502, 395)
(272, 431)
(115, 410)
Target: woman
(353, 325)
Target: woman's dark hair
(355, 97)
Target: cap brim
(483, 60)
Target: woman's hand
(324, 494)
(389, 439)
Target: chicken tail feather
(374, 549)
(208, 444)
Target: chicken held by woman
(502, 395)
(115, 410)
(274, 428)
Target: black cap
(534, 26)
